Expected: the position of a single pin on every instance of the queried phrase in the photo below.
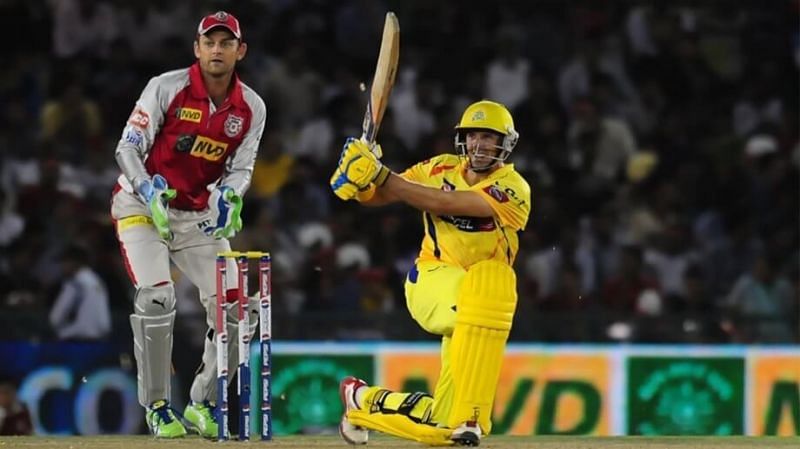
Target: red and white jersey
(176, 131)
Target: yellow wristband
(383, 175)
(366, 194)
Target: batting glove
(358, 167)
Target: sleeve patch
(139, 118)
(496, 193)
(133, 136)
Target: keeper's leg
(146, 257)
(485, 311)
(152, 340)
(198, 262)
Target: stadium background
(689, 238)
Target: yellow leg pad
(401, 426)
(484, 313)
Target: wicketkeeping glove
(226, 213)
(156, 194)
(357, 168)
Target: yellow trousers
(432, 289)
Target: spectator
(15, 419)
(599, 148)
(696, 315)
(82, 27)
(621, 293)
(81, 310)
(760, 305)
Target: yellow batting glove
(341, 186)
(357, 168)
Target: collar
(464, 167)
(198, 87)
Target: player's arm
(429, 199)
(138, 136)
(225, 201)
(140, 132)
(239, 166)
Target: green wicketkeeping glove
(157, 195)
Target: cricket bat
(381, 88)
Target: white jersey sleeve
(239, 166)
(144, 124)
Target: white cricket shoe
(347, 393)
(467, 434)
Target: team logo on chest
(233, 125)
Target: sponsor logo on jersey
(208, 149)
(139, 118)
(133, 136)
(495, 192)
(189, 114)
(233, 125)
(470, 224)
(184, 143)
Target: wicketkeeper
(187, 156)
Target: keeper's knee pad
(155, 300)
(484, 313)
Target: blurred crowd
(660, 140)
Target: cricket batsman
(462, 287)
(187, 156)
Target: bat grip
(373, 147)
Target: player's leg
(404, 415)
(146, 257)
(198, 263)
(486, 307)
(430, 295)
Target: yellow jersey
(464, 241)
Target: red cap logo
(220, 19)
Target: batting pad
(401, 426)
(152, 347)
(484, 313)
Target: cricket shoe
(467, 434)
(201, 419)
(162, 422)
(347, 393)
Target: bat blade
(385, 72)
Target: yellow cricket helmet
(491, 116)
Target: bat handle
(375, 148)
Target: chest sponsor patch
(208, 149)
(470, 224)
(233, 125)
(139, 118)
(495, 192)
(189, 114)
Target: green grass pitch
(494, 442)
